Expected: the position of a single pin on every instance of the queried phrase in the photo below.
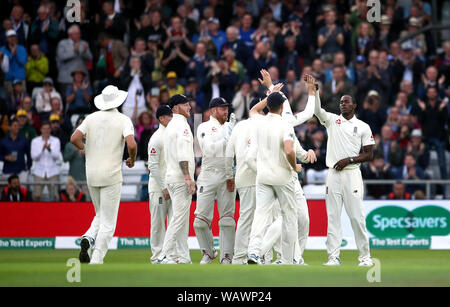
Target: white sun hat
(111, 97)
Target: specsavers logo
(395, 221)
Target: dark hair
(46, 122)
(12, 177)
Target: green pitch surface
(131, 267)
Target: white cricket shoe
(253, 259)
(300, 262)
(206, 259)
(366, 262)
(96, 258)
(166, 260)
(226, 259)
(240, 261)
(333, 262)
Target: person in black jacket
(111, 22)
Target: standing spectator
(262, 58)
(19, 25)
(32, 116)
(418, 149)
(246, 30)
(44, 97)
(157, 28)
(399, 192)
(17, 56)
(17, 96)
(443, 61)
(376, 170)
(433, 117)
(139, 49)
(79, 94)
(154, 49)
(71, 193)
(279, 10)
(317, 70)
(143, 27)
(136, 80)
(386, 35)
(25, 128)
(335, 89)
(114, 58)
(417, 42)
(235, 65)
(112, 22)
(198, 66)
(241, 102)
(220, 82)
(389, 148)
(188, 23)
(13, 150)
(45, 153)
(331, 37)
(339, 59)
(372, 113)
(242, 52)
(14, 191)
(193, 92)
(290, 59)
(72, 53)
(36, 68)
(365, 39)
(430, 78)
(145, 128)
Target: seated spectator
(14, 191)
(13, 150)
(16, 97)
(418, 149)
(71, 53)
(64, 118)
(17, 56)
(443, 61)
(44, 97)
(71, 193)
(26, 130)
(145, 128)
(317, 171)
(45, 153)
(32, 115)
(139, 50)
(394, 120)
(389, 149)
(376, 170)
(372, 114)
(398, 192)
(36, 68)
(335, 89)
(411, 171)
(78, 96)
(57, 131)
(213, 33)
(172, 86)
(317, 70)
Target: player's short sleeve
(83, 126)
(367, 136)
(128, 128)
(288, 133)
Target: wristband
(271, 87)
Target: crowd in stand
(52, 68)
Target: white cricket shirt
(212, 143)
(156, 163)
(105, 133)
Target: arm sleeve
(229, 156)
(5, 64)
(184, 143)
(321, 114)
(56, 149)
(154, 155)
(367, 137)
(300, 117)
(35, 150)
(128, 128)
(300, 153)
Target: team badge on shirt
(338, 121)
(214, 129)
(153, 151)
(186, 132)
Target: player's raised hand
(277, 87)
(266, 79)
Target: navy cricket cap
(163, 110)
(177, 99)
(218, 102)
(275, 100)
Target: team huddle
(255, 158)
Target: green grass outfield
(131, 267)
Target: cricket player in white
(106, 132)
(179, 157)
(212, 183)
(159, 198)
(273, 144)
(273, 232)
(344, 185)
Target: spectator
(57, 131)
(71, 193)
(339, 59)
(17, 56)
(14, 191)
(241, 102)
(409, 67)
(44, 97)
(418, 149)
(13, 150)
(136, 80)
(36, 68)
(242, 52)
(411, 171)
(386, 35)
(372, 113)
(172, 86)
(335, 89)
(33, 117)
(262, 58)
(146, 126)
(17, 96)
(399, 192)
(386, 146)
(189, 24)
(193, 91)
(45, 153)
(433, 117)
(317, 171)
(430, 78)
(291, 59)
(157, 28)
(220, 82)
(71, 54)
(317, 70)
(365, 39)
(112, 22)
(153, 45)
(331, 37)
(394, 120)
(45, 32)
(19, 25)
(443, 61)
(139, 49)
(235, 65)
(376, 170)
(280, 11)
(78, 96)
(115, 55)
(143, 27)
(25, 128)
(198, 66)
(246, 30)
(417, 42)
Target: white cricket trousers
(106, 202)
(159, 210)
(273, 233)
(210, 186)
(175, 245)
(265, 197)
(247, 200)
(345, 188)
